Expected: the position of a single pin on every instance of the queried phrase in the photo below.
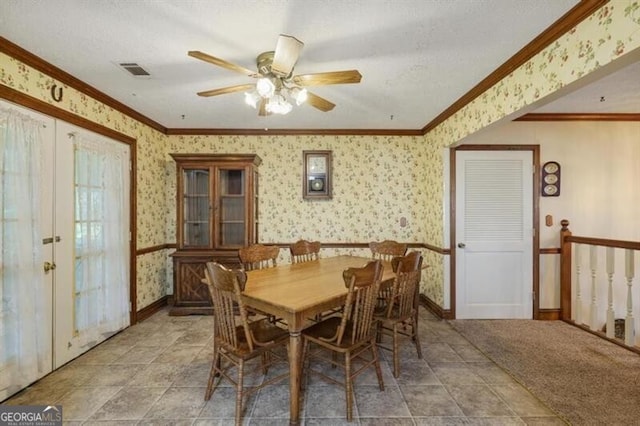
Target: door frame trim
(535, 150)
(26, 101)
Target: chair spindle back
(304, 251)
(402, 302)
(387, 249)
(258, 256)
(225, 287)
(363, 285)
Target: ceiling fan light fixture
(276, 88)
(265, 87)
(252, 98)
(300, 95)
(277, 104)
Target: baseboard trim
(434, 308)
(548, 314)
(151, 309)
(604, 336)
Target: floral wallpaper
(377, 179)
(607, 35)
(375, 183)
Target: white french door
(92, 217)
(494, 233)
(26, 216)
(70, 291)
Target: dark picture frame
(316, 175)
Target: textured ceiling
(416, 57)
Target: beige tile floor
(155, 373)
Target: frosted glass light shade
(265, 87)
(300, 95)
(278, 105)
(252, 98)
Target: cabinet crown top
(229, 158)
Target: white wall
(600, 183)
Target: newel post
(565, 271)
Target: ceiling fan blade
(262, 109)
(225, 90)
(321, 103)
(286, 55)
(222, 63)
(324, 78)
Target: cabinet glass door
(196, 217)
(232, 216)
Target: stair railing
(593, 291)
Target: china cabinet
(216, 215)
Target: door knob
(462, 245)
(49, 266)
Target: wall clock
(316, 181)
(550, 179)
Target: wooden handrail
(632, 245)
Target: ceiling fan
(276, 83)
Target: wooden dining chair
(304, 251)
(237, 340)
(387, 249)
(352, 335)
(258, 256)
(399, 316)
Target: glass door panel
(101, 217)
(196, 217)
(231, 182)
(232, 208)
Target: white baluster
(578, 310)
(593, 263)
(629, 332)
(611, 332)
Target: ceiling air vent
(134, 69)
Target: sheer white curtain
(102, 238)
(25, 327)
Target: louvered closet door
(494, 233)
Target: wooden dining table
(296, 293)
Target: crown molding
(28, 101)
(296, 132)
(29, 59)
(568, 21)
(579, 117)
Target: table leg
(416, 315)
(295, 376)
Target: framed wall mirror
(316, 176)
